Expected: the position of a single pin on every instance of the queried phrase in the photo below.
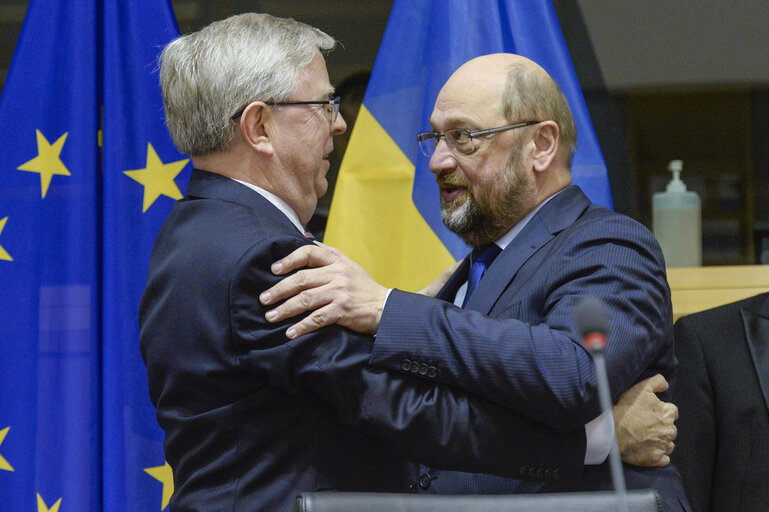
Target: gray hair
(206, 76)
(532, 95)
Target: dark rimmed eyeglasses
(460, 140)
(331, 106)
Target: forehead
(471, 98)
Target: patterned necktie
(480, 261)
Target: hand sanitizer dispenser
(676, 221)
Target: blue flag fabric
(424, 43)
(78, 214)
(141, 171)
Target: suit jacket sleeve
(427, 422)
(526, 354)
(696, 444)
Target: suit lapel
(559, 213)
(755, 319)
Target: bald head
(487, 77)
(515, 87)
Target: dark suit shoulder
(613, 238)
(572, 212)
(726, 316)
(260, 217)
(250, 277)
(604, 220)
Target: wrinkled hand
(645, 425)
(433, 288)
(337, 289)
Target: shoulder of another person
(275, 246)
(712, 327)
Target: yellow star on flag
(4, 463)
(157, 178)
(165, 475)
(47, 161)
(7, 257)
(41, 507)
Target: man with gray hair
(251, 418)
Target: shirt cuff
(387, 296)
(600, 438)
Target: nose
(442, 160)
(339, 126)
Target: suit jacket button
(405, 365)
(556, 476)
(523, 470)
(414, 367)
(423, 369)
(425, 481)
(432, 372)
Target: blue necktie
(480, 259)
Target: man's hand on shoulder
(645, 425)
(336, 289)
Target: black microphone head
(590, 315)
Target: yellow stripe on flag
(373, 219)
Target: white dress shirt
(279, 203)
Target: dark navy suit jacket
(252, 419)
(516, 342)
(723, 400)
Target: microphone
(592, 321)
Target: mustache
(452, 179)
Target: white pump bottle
(677, 221)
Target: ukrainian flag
(385, 212)
(87, 175)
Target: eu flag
(87, 175)
(385, 212)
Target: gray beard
(473, 225)
(502, 205)
(460, 220)
(480, 224)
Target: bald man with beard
(501, 146)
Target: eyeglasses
(459, 140)
(331, 106)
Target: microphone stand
(617, 476)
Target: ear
(546, 143)
(253, 126)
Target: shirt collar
(279, 203)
